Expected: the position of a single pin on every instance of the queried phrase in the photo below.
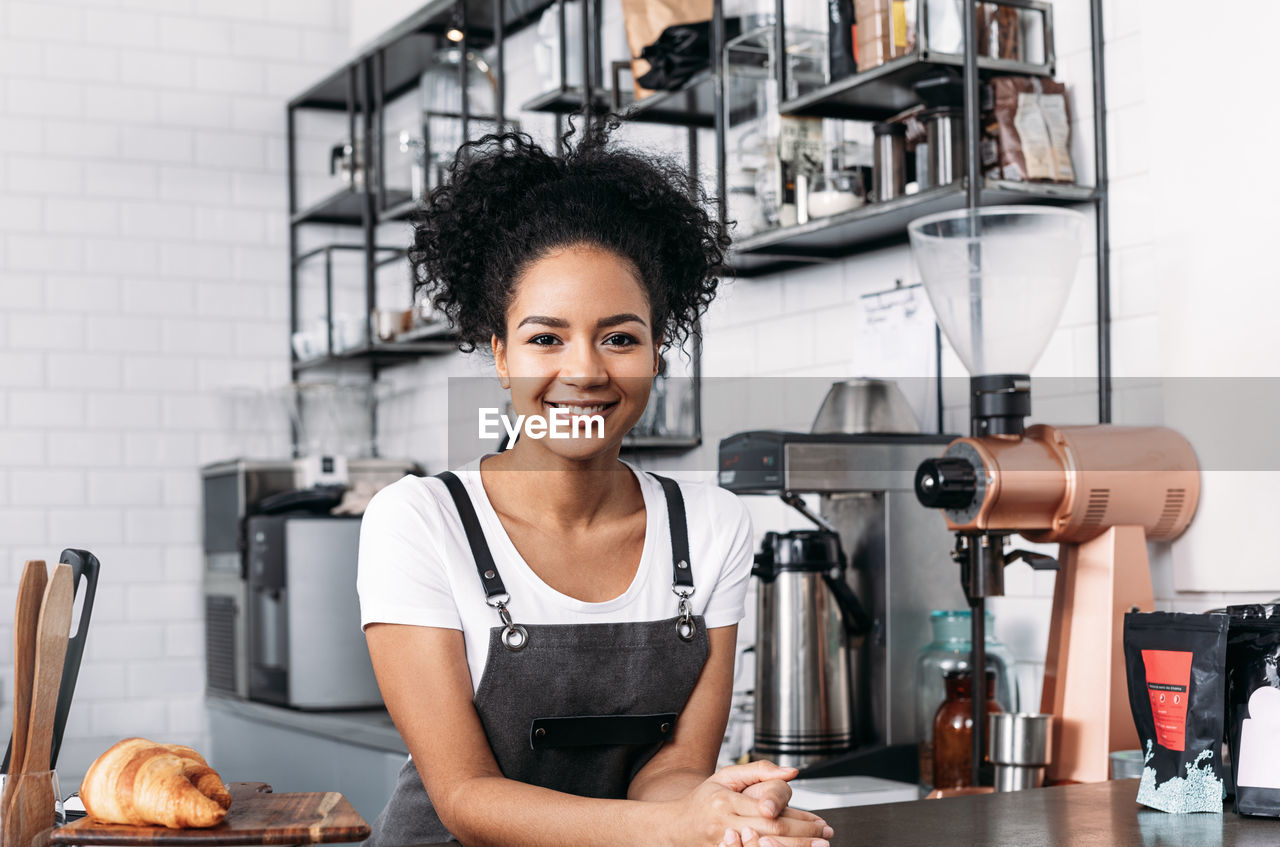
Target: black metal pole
(1102, 212)
(718, 103)
(500, 38)
(978, 666)
(972, 106)
(368, 214)
(464, 73)
(937, 365)
(588, 81)
(291, 165)
(973, 157)
(379, 89)
(328, 297)
(780, 50)
(564, 60)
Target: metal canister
(807, 618)
(1020, 747)
(944, 133)
(890, 160)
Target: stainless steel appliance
(306, 649)
(808, 621)
(232, 491)
(896, 553)
(860, 460)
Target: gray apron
(577, 708)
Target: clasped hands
(746, 806)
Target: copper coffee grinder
(998, 278)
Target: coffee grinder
(998, 278)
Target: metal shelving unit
(876, 225)
(388, 68)
(886, 90)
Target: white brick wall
(143, 267)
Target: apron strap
(682, 573)
(495, 593)
(489, 576)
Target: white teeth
(580, 410)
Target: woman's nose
(583, 366)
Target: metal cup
(1019, 747)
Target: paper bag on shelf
(646, 19)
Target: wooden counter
(1099, 815)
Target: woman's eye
(620, 339)
(544, 340)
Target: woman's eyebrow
(621, 318)
(561, 323)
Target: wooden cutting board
(256, 816)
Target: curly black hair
(507, 203)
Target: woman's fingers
(784, 827)
(752, 838)
(771, 796)
(738, 777)
(801, 814)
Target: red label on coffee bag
(1168, 678)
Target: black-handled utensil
(83, 565)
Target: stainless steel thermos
(808, 623)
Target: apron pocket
(595, 730)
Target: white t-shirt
(416, 567)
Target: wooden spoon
(26, 619)
(34, 803)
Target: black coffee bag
(1253, 707)
(1175, 663)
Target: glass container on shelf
(442, 119)
(948, 652)
(784, 153)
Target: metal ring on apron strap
(514, 636)
(685, 626)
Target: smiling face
(579, 337)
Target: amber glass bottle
(953, 730)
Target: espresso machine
(843, 609)
(997, 278)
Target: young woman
(552, 629)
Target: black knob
(946, 483)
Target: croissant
(140, 782)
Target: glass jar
(953, 730)
(441, 90)
(833, 192)
(949, 651)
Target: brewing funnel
(998, 278)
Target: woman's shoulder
(410, 496)
(704, 499)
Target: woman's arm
(426, 685)
(689, 757)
